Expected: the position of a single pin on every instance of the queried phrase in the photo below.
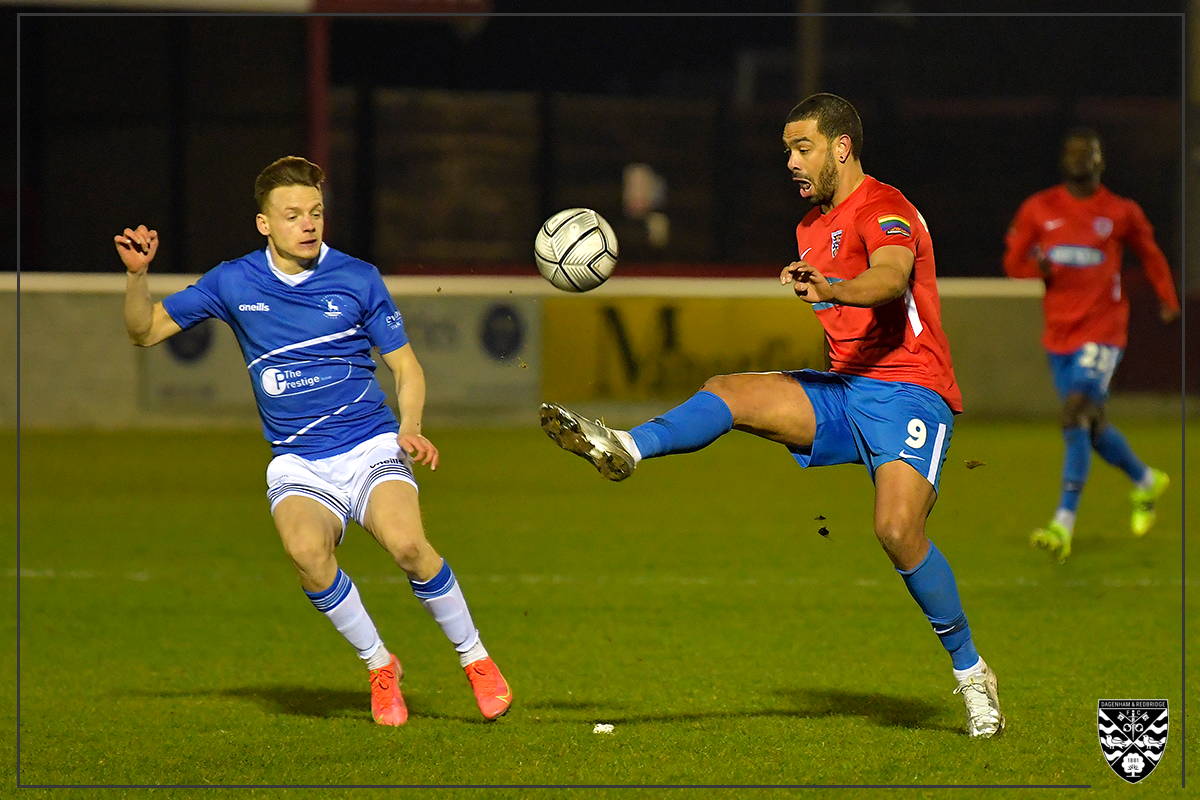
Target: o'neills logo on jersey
(303, 376)
(259, 306)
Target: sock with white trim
(443, 599)
(630, 444)
(1065, 518)
(932, 585)
(962, 675)
(344, 608)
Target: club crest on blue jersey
(835, 240)
(1133, 735)
(894, 225)
(330, 303)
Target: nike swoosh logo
(505, 697)
(911, 455)
(802, 255)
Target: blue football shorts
(872, 422)
(342, 483)
(1087, 371)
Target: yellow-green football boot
(1054, 537)
(1145, 501)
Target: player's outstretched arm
(146, 322)
(410, 393)
(887, 279)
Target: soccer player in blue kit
(306, 317)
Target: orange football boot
(387, 705)
(491, 690)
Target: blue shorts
(1087, 371)
(873, 422)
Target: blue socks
(697, 423)
(1077, 462)
(1114, 448)
(931, 583)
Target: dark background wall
(451, 139)
(157, 119)
(168, 118)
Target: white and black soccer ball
(576, 250)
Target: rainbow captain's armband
(895, 224)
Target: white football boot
(591, 440)
(980, 694)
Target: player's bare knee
(408, 553)
(723, 386)
(732, 391)
(309, 555)
(890, 536)
(1098, 421)
(1069, 416)
(1080, 412)
(752, 398)
(900, 533)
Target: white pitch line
(647, 579)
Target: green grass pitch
(696, 607)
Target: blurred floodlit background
(449, 129)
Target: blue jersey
(308, 346)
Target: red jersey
(1083, 241)
(901, 340)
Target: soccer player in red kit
(889, 400)
(1072, 236)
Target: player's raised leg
(903, 499)
(309, 532)
(768, 404)
(393, 517)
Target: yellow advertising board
(661, 348)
